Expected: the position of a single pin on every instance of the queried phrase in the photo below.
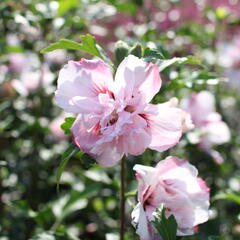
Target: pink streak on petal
(203, 185)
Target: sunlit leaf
(88, 45)
(66, 5)
(14, 49)
(176, 60)
(228, 195)
(152, 55)
(130, 194)
(68, 122)
(128, 7)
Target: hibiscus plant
(115, 118)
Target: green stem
(122, 199)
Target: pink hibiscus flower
(115, 116)
(201, 107)
(174, 183)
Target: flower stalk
(122, 199)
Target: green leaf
(71, 151)
(23, 208)
(66, 5)
(176, 60)
(228, 195)
(166, 227)
(14, 49)
(121, 51)
(152, 55)
(45, 216)
(88, 45)
(68, 122)
(63, 44)
(131, 194)
(128, 7)
(136, 50)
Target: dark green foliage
(136, 50)
(165, 226)
(121, 51)
(70, 152)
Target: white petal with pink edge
(165, 125)
(134, 76)
(174, 183)
(86, 78)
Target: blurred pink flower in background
(231, 60)
(187, 123)
(18, 62)
(32, 79)
(230, 50)
(29, 30)
(107, 24)
(174, 183)
(55, 126)
(114, 116)
(233, 6)
(201, 107)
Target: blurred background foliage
(32, 141)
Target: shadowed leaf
(166, 227)
(70, 152)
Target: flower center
(129, 108)
(113, 117)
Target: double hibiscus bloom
(116, 118)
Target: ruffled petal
(85, 131)
(145, 176)
(165, 125)
(134, 76)
(107, 154)
(174, 183)
(82, 80)
(137, 137)
(86, 134)
(182, 176)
